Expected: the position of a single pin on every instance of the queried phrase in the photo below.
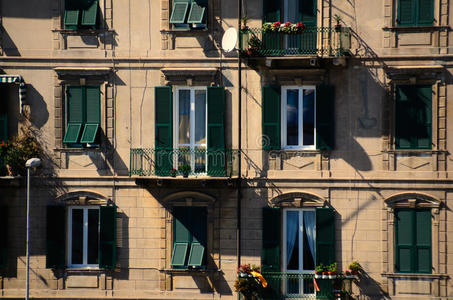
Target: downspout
(239, 181)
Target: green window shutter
(406, 13)
(271, 10)
(107, 237)
(423, 139)
(178, 257)
(72, 133)
(196, 14)
(3, 237)
(426, 12)
(181, 235)
(216, 131)
(55, 237)
(308, 12)
(198, 224)
(90, 14)
(325, 130)
(196, 255)
(71, 19)
(163, 131)
(271, 108)
(325, 236)
(89, 133)
(403, 117)
(179, 12)
(404, 241)
(423, 241)
(93, 105)
(76, 108)
(3, 127)
(270, 255)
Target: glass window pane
(77, 236)
(292, 118)
(200, 159)
(93, 235)
(309, 117)
(184, 117)
(292, 240)
(200, 117)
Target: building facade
(168, 161)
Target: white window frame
(301, 262)
(85, 237)
(192, 144)
(300, 146)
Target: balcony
(185, 162)
(309, 41)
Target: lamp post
(31, 163)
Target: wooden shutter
(3, 237)
(76, 117)
(403, 116)
(270, 255)
(423, 117)
(55, 237)
(423, 241)
(325, 236)
(406, 13)
(107, 237)
(179, 11)
(325, 130)
(163, 131)
(197, 12)
(3, 127)
(181, 235)
(90, 15)
(216, 131)
(93, 114)
(271, 10)
(404, 247)
(271, 138)
(425, 12)
(307, 12)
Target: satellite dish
(229, 39)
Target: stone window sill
(78, 150)
(83, 31)
(416, 28)
(190, 271)
(414, 152)
(415, 275)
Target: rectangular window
(299, 244)
(190, 128)
(413, 117)
(298, 117)
(83, 237)
(415, 13)
(186, 14)
(83, 115)
(81, 14)
(189, 237)
(413, 241)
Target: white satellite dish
(229, 39)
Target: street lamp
(31, 163)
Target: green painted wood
(325, 125)
(163, 130)
(89, 133)
(308, 12)
(4, 237)
(425, 12)
(71, 19)
(196, 255)
(107, 237)
(72, 133)
(404, 241)
(93, 104)
(407, 13)
(179, 254)
(271, 10)
(271, 124)
(270, 255)
(3, 127)
(196, 14)
(90, 15)
(179, 12)
(423, 243)
(325, 236)
(75, 104)
(181, 225)
(216, 131)
(55, 237)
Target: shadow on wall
(122, 246)
(38, 107)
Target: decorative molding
(298, 199)
(184, 196)
(413, 200)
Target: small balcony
(306, 41)
(183, 162)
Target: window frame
(283, 117)
(185, 24)
(416, 11)
(85, 237)
(80, 15)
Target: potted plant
(250, 282)
(254, 45)
(244, 21)
(173, 172)
(185, 170)
(332, 270)
(355, 267)
(337, 19)
(318, 271)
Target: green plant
(337, 19)
(185, 169)
(319, 269)
(15, 152)
(244, 21)
(254, 42)
(355, 266)
(332, 268)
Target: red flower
(287, 24)
(277, 24)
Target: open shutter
(75, 109)
(197, 12)
(403, 117)
(107, 237)
(271, 10)
(71, 14)
(406, 13)
(271, 139)
(325, 130)
(90, 15)
(325, 236)
(423, 241)
(426, 12)
(216, 132)
(56, 237)
(3, 127)
(423, 117)
(404, 233)
(181, 235)
(307, 12)
(3, 237)
(179, 11)
(163, 132)
(270, 256)
(93, 114)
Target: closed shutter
(107, 237)
(271, 10)
(3, 237)
(55, 237)
(75, 110)
(270, 256)
(325, 130)
(90, 14)
(423, 242)
(307, 12)
(406, 13)
(325, 236)
(163, 131)
(93, 114)
(271, 139)
(404, 248)
(216, 131)
(71, 14)
(423, 117)
(3, 127)
(426, 12)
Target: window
(81, 14)
(83, 115)
(189, 237)
(415, 13)
(3, 237)
(413, 115)
(81, 237)
(413, 241)
(187, 14)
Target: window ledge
(190, 271)
(416, 28)
(78, 271)
(415, 275)
(78, 150)
(185, 31)
(414, 151)
(83, 31)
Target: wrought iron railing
(177, 162)
(316, 41)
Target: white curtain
(292, 225)
(309, 223)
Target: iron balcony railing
(316, 41)
(176, 162)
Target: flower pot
(325, 275)
(318, 276)
(331, 276)
(185, 174)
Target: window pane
(93, 235)
(309, 240)
(200, 159)
(200, 117)
(77, 236)
(309, 117)
(292, 240)
(292, 118)
(309, 287)
(184, 117)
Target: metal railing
(176, 162)
(316, 41)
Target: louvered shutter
(163, 130)
(325, 130)
(55, 237)
(93, 114)
(423, 260)
(216, 131)
(107, 237)
(307, 12)
(425, 12)
(423, 139)
(181, 236)
(271, 107)
(76, 116)
(179, 11)
(325, 236)
(89, 15)
(270, 255)
(271, 10)
(404, 244)
(407, 13)
(197, 12)
(3, 237)
(198, 223)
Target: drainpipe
(239, 195)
